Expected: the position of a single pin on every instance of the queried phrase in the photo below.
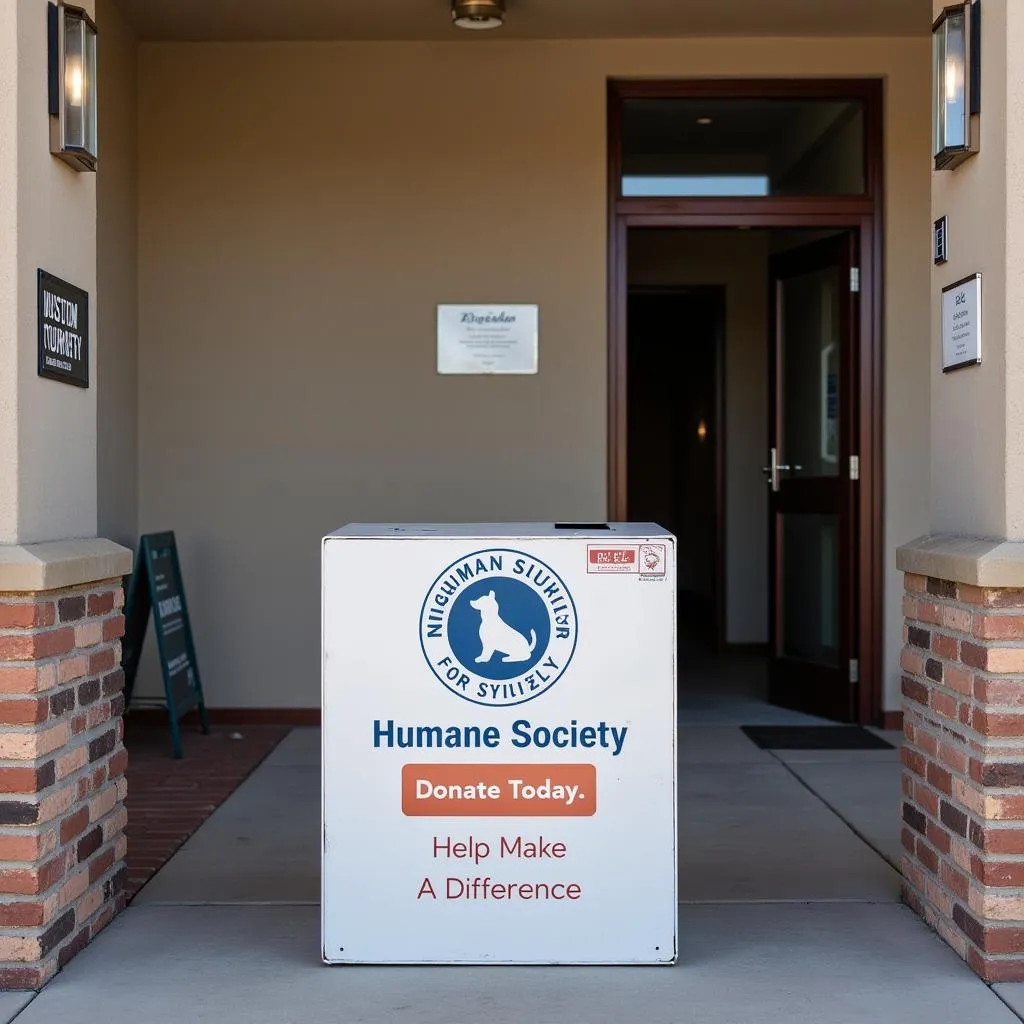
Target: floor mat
(815, 737)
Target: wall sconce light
(478, 14)
(956, 73)
(702, 431)
(71, 36)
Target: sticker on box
(612, 559)
(652, 560)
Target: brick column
(963, 768)
(62, 785)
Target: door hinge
(854, 279)
(854, 670)
(854, 467)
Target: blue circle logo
(498, 627)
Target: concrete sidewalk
(790, 913)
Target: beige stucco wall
(1013, 112)
(8, 273)
(969, 482)
(117, 260)
(738, 260)
(978, 413)
(48, 218)
(315, 203)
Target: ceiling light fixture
(478, 14)
(705, 120)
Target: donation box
(499, 745)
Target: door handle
(773, 471)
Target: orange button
(499, 790)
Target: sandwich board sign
(499, 745)
(156, 585)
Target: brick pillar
(62, 785)
(963, 769)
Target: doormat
(815, 737)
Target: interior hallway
(790, 913)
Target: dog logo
(498, 627)
(496, 635)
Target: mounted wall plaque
(487, 339)
(940, 241)
(63, 340)
(961, 324)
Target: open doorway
(770, 192)
(742, 411)
(675, 438)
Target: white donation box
(499, 745)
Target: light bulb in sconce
(75, 83)
(954, 80)
(702, 431)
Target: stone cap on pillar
(973, 560)
(30, 568)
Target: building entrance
(741, 410)
(745, 369)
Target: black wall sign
(940, 238)
(156, 584)
(63, 344)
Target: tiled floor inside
(789, 913)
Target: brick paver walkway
(167, 799)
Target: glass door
(811, 475)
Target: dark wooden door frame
(716, 293)
(864, 214)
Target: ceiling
(251, 20)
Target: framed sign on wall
(961, 324)
(63, 336)
(487, 339)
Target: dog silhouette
(498, 635)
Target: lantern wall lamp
(956, 77)
(71, 38)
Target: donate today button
(499, 790)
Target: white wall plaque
(487, 339)
(961, 324)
